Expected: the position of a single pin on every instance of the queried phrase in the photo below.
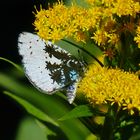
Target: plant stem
(108, 127)
(125, 49)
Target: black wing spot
(20, 42)
(30, 47)
(30, 42)
(62, 73)
(31, 53)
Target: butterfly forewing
(47, 66)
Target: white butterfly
(49, 67)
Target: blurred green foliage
(53, 106)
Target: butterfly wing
(31, 48)
(71, 92)
(47, 66)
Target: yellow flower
(52, 24)
(100, 37)
(137, 38)
(113, 39)
(126, 7)
(80, 36)
(101, 17)
(104, 86)
(107, 12)
(108, 2)
(65, 21)
(94, 16)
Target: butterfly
(48, 67)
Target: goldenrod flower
(100, 37)
(137, 38)
(100, 21)
(102, 85)
(61, 21)
(51, 23)
(113, 38)
(126, 7)
(108, 2)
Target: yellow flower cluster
(111, 9)
(126, 7)
(61, 22)
(102, 86)
(119, 7)
(102, 37)
(102, 21)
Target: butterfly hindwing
(48, 67)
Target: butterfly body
(47, 66)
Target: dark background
(15, 16)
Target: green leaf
(32, 109)
(69, 45)
(29, 130)
(89, 51)
(15, 65)
(79, 111)
(81, 3)
(53, 105)
(45, 129)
